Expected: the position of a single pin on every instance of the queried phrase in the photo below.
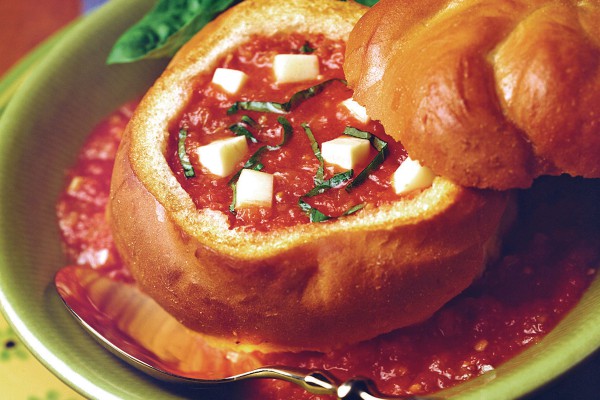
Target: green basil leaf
(354, 209)
(254, 160)
(303, 95)
(379, 145)
(252, 163)
(259, 106)
(167, 27)
(240, 130)
(287, 133)
(314, 215)
(234, 197)
(282, 108)
(249, 121)
(306, 48)
(331, 183)
(368, 3)
(188, 170)
(319, 175)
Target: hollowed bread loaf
(308, 286)
(487, 93)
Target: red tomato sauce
(549, 259)
(294, 165)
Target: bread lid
(489, 94)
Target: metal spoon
(158, 339)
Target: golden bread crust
(487, 93)
(310, 286)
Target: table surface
(23, 25)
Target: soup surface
(209, 117)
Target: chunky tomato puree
(206, 119)
(550, 257)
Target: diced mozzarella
(231, 80)
(295, 67)
(356, 110)
(221, 156)
(254, 188)
(345, 151)
(411, 175)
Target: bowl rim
(535, 367)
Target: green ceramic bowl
(40, 134)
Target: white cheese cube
(411, 175)
(346, 151)
(254, 188)
(295, 67)
(221, 156)
(356, 110)
(231, 80)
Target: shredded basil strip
(331, 183)
(379, 145)
(368, 3)
(322, 185)
(354, 209)
(188, 170)
(319, 175)
(252, 163)
(282, 108)
(287, 133)
(314, 215)
(240, 130)
(317, 216)
(249, 121)
(254, 160)
(306, 48)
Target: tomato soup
(550, 257)
(211, 116)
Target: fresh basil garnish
(287, 133)
(307, 49)
(354, 209)
(282, 108)
(315, 215)
(321, 185)
(165, 28)
(239, 129)
(379, 145)
(319, 175)
(188, 170)
(252, 163)
(331, 183)
(254, 160)
(249, 121)
(368, 3)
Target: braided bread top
(488, 93)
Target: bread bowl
(511, 95)
(305, 286)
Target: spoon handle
(319, 382)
